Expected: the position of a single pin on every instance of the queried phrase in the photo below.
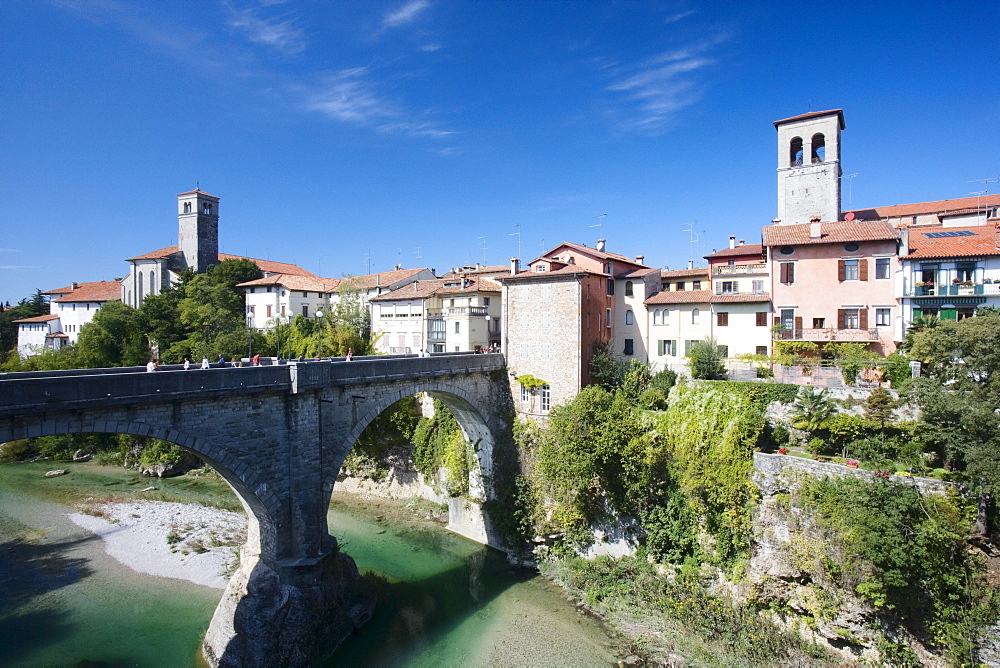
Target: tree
(606, 369)
(113, 338)
(636, 381)
(705, 360)
(879, 407)
(812, 409)
(212, 310)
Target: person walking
(204, 362)
(187, 364)
(256, 359)
(222, 362)
(350, 355)
(150, 366)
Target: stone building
(809, 166)
(555, 312)
(70, 308)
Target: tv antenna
(603, 215)
(368, 259)
(518, 235)
(416, 253)
(849, 177)
(485, 248)
(693, 237)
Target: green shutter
(948, 314)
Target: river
(445, 601)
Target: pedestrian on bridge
(187, 364)
(204, 362)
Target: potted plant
(851, 464)
(782, 451)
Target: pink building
(833, 281)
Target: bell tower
(198, 229)
(809, 167)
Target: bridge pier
(290, 614)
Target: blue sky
(346, 136)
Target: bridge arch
(478, 423)
(261, 525)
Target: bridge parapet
(67, 392)
(315, 375)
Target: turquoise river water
(447, 601)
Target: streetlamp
(249, 334)
(319, 334)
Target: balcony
(468, 310)
(828, 334)
(953, 290)
(733, 269)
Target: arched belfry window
(152, 283)
(818, 148)
(795, 152)
(207, 208)
(187, 207)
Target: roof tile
(832, 233)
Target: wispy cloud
(404, 14)
(354, 96)
(651, 91)
(278, 33)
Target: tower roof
(197, 191)
(814, 114)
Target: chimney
(76, 286)
(415, 285)
(732, 241)
(600, 244)
(515, 265)
(904, 240)
(690, 264)
(377, 277)
(639, 258)
(397, 267)
(776, 221)
(743, 242)
(815, 229)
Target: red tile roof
(757, 250)
(681, 297)
(382, 279)
(593, 252)
(157, 254)
(568, 270)
(438, 286)
(685, 273)
(295, 282)
(39, 318)
(832, 233)
(945, 206)
(95, 291)
(982, 241)
(813, 114)
(196, 191)
(265, 265)
(738, 298)
(59, 291)
(56, 335)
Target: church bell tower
(198, 229)
(809, 167)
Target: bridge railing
(31, 392)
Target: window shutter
(841, 271)
(841, 319)
(863, 269)
(791, 272)
(798, 322)
(777, 320)
(761, 318)
(863, 318)
(673, 348)
(736, 287)
(783, 272)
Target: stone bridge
(279, 436)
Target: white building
(280, 297)
(70, 309)
(442, 315)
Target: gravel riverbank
(172, 540)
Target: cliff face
(787, 574)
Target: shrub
(705, 360)
(664, 380)
(818, 446)
(653, 399)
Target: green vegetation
(706, 361)
(908, 554)
(438, 443)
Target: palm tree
(812, 409)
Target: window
(883, 317)
(795, 152)
(723, 351)
(268, 310)
(788, 318)
(282, 310)
(819, 323)
(629, 346)
(305, 310)
(656, 318)
(786, 250)
(688, 345)
(539, 268)
(608, 268)
(207, 209)
(696, 285)
(695, 316)
(727, 287)
(851, 247)
(607, 318)
(851, 318)
(965, 271)
(611, 286)
(486, 301)
(786, 272)
(305, 294)
(680, 286)
(544, 321)
(667, 348)
(628, 288)
(525, 395)
(849, 270)
(152, 285)
(818, 148)
(543, 352)
(761, 350)
(524, 351)
(451, 303)
(546, 293)
(545, 395)
(458, 327)
(722, 319)
(761, 318)
(758, 286)
(187, 207)
(629, 318)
